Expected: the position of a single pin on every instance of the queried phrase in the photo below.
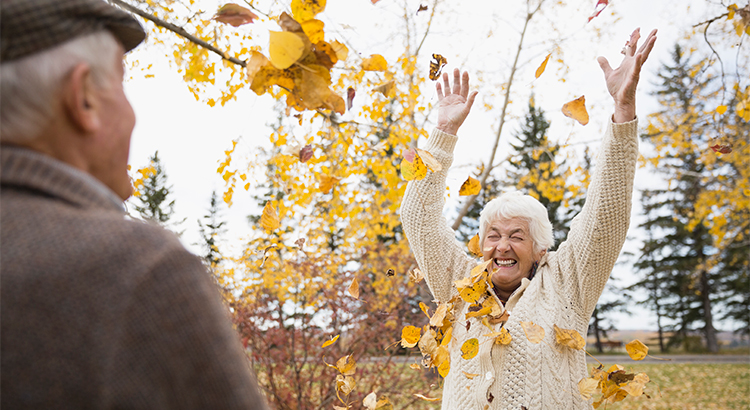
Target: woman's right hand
(454, 103)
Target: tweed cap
(31, 26)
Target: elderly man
(525, 283)
(98, 311)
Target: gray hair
(30, 86)
(517, 205)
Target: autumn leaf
(427, 344)
(444, 368)
(269, 220)
(413, 169)
(410, 336)
(721, 109)
(386, 89)
(422, 7)
(330, 342)
(436, 66)
(427, 398)
(305, 153)
(440, 313)
(254, 64)
(430, 161)
(637, 350)
(470, 187)
(415, 366)
(234, 15)
(354, 289)
(416, 275)
(504, 338)
(569, 337)
(350, 92)
(720, 145)
(576, 110)
(375, 62)
(470, 376)
(313, 29)
(600, 6)
(346, 365)
(534, 332)
(587, 386)
(470, 348)
(542, 66)
(307, 9)
(471, 293)
(285, 48)
(424, 309)
(474, 245)
(327, 182)
(345, 384)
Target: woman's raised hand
(454, 103)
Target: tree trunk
(709, 331)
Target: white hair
(517, 205)
(30, 86)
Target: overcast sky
(191, 136)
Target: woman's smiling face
(508, 243)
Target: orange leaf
(307, 9)
(470, 348)
(470, 187)
(254, 64)
(346, 365)
(437, 66)
(327, 182)
(269, 220)
(534, 332)
(576, 110)
(314, 30)
(504, 338)
(474, 245)
(375, 62)
(569, 337)
(354, 289)
(637, 350)
(541, 68)
(330, 342)
(410, 336)
(234, 15)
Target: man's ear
(80, 99)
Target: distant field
(672, 387)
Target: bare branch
(177, 30)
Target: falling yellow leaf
(637, 350)
(345, 384)
(375, 62)
(415, 366)
(354, 289)
(269, 220)
(327, 182)
(470, 187)
(427, 343)
(430, 161)
(427, 398)
(504, 338)
(440, 313)
(541, 68)
(307, 9)
(424, 309)
(413, 170)
(587, 386)
(254, 64)
(576, 110)
(478, 313)
(472, 293)
(470, 348)
(386, 88)
(346, 365)
(470, 376)
(474, 245)
(721, 109)
(534, 332)
(314, 30)
(441, 354)
(285, 48)
(569, 337)
(330, 342)
(410, 336)
(444, 368)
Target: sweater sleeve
(439, 255)
(598, 232)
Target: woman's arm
(439, 255)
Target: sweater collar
(29, 169)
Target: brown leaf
(234, 15)
(305, 153)
(350, 92)
(354, 289)
(422, 7)
(437, 66)
(600, 6)
(386, 89)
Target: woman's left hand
(622, 81)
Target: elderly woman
(529, 283)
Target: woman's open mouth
(504, 263)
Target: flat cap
(31, 26)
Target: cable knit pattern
(564, 291)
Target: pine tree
(154, 199)
(210, 230)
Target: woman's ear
(80, 99)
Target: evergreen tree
(210, 230)
(154, 200)
(678, 254)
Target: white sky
(191, 136)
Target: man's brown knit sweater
(102, 312)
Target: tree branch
(177, 30)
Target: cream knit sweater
(563, 292)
